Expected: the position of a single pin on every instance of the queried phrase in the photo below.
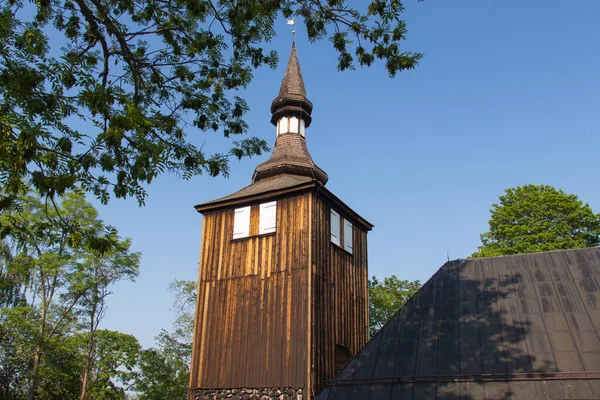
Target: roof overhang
(218, 205)
(347, 212)
(312, 186)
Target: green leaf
(533, 218)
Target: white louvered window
(348, 236)
(335, 227)
(241, 222)
(267, 218)
(302, 128)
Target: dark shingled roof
(519, 327)
(280, 182)
(292, 93)
(290, 163)
(290, 156)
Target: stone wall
(249, 394)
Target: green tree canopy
(55, 299)
(386, 298)
(116, 356)
(164, 370)
(99, 94)
(534, 218)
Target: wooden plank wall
(251, 326)
(340, 290)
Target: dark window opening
(342, 356)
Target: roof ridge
(527, 254)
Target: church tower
(282, 288)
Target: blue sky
(508, 93)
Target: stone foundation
(249, 394)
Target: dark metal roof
(519, 327)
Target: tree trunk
(91, 347)
(34, 371)
(84, 381)
(39, 346)
(88, 367)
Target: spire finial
(293, 23)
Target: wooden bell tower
(282, 288)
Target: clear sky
(508, 93)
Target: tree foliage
(165, 369)
(534, 218)
(184, 305)
(386, 298)
(113, 368)
(55, 297)
(102, 271)
(102, 94)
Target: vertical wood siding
(251, 329)
(264, 318)
(340, 304)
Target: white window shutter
(294, 125)
(348, 236)
(335, 227)
(241, 222)
(267, 217)
(283, 125)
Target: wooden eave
(313, 186)
(342, 207)
(246, 200)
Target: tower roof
(290, 155)
(292, 93)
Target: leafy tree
(46, 266)
(534, 218)
(113, 366)
(65, 283)
(165, 369)
(57, 373)
(100, 272)
(65, 357)
(58, 377)
(99, 94)
(386, 298)
(184, 305)
(17, 336)
(11, 292)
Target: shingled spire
(292, 94)
(291, 114)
